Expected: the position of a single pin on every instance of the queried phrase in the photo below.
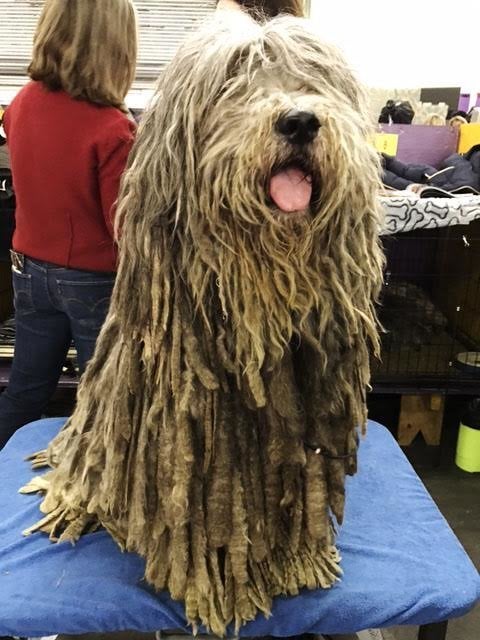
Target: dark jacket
(399, 175)
(454, 172)
(459, 171)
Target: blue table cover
(402, 563)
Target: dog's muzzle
(298, 127)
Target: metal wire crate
(430, 308)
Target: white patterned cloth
(409, 212)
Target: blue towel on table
(402, 562)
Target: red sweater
(67, 157)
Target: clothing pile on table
(4, 159)
(457, 175)
(7, 199)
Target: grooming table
(402, 562)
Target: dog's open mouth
(292, 188)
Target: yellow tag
(1, 111)
(386, 143)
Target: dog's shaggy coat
(217, 419)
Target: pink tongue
(291, 190)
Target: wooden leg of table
(422, 414)
(435, 631)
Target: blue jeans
(52, 306)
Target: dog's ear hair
(236, 62)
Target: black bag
(7, 214)
(3, 140)
(397, 113)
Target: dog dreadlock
(217, 420)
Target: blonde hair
(88, 48)
(435, 120)
(457, 121)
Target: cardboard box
(469, 137)
(423, 144)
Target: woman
(268, 8)
(69, 137)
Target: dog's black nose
(298, 127)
